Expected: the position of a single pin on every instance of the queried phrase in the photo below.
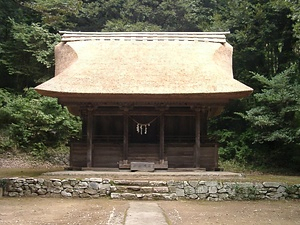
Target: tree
(55, 14)
(28, 54)
(29, 36)
(265, 36)
(262, 36)
(295, 7)
(275, 121)
(146, 15)
(34, 123)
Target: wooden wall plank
(180, 156)
(107, 155)
(78, 154)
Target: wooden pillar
(204, 124)
(125, 136)
(89, 157)
(162, 139)
(197, 137)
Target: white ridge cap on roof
(219, 37)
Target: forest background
(261, 131)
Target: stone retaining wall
(144, 189)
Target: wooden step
(157, 165)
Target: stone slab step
(141, 189)
(144, 196)
(139, 183)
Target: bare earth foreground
(113, 212)
(42, 211)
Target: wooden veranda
(174, 137)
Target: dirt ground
(44, 211)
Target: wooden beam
(216, 99)
(144, 113)
(197, 137)
(89, 158)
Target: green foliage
(264, 36)
(262, 130)
(3, 183)
(295, 7)
(274, 120)
(55, 13)
(31, 52)
(146, 15)
(37, 41)
(36, 123)
(234, 146)
(261, 33)
(27, 39)
(271, 134)
(276, 115)
(122, 26)
(234, 166)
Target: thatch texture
(150, 67)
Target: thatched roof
(101, 64)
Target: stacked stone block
(89, 187)
(148, 190)
(214, 191)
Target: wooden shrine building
(144, 97)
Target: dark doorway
(108, 129)
(180, 129)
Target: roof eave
(91, 97)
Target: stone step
(141, 189)
(144, 196)
(139, 183)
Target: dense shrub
(34, 124)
